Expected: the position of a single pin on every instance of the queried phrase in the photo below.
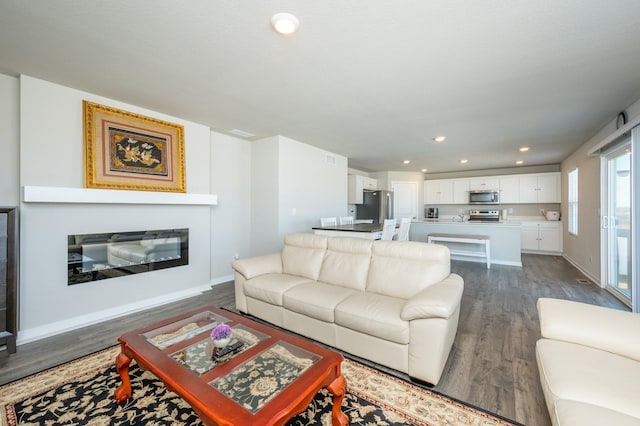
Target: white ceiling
(372, 80)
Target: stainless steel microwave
(484, 197)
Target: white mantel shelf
(52, 194)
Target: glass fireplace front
(93, 257)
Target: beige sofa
(392, 302)
(589, 362)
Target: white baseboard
(41, 332)
(221, 280)
(579, 268)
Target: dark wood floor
(492, 364)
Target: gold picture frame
(128, 151)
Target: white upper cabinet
(549, 185)
(509, 189)
(460, 191)
(356, 184)
(532, 188)
(540, 188)
(438, 191)
(483, 183)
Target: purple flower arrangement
(222, 331)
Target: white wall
(9, 159)
(51, 154)
(264, 196)
(293, 185)
(583, 250)
(313, 184)
(231, 218)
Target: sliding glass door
(616, 222)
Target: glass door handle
(605, 222)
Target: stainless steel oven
(484, 197)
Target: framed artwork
(124, 150)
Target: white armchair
(589, 363)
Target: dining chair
(346, 220)
(388, 229)
(403, 232)
(328, 221)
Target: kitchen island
(505, 237)
(371, 231)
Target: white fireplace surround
(53, 194)
(41, 195)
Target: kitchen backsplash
(514, 209)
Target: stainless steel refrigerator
(376, 205)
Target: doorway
(405, 199)
(617, 211)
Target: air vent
(582, 281)
(241, 133)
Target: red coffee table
(273, 378)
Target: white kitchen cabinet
(356, 184)
(438, 191)
(460, 191)
(540, 188)
(509, 192)
(483, 183)
(542, 237)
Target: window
(572, 222)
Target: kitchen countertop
(513, 220)
(356, 227)
(445, 221)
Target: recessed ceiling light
(284, 23)
(424, 170)
(519, 162)
(406, 161)
(439, 138)
(524, 149)
(463, 161)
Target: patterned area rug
(81, 393)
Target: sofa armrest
(598, 327)
(437, 301)
(259, 265)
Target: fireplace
(93, 257)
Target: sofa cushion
(592, 376)
(374, 314)
(404, 268)
(315, 299)
(574, 413)
(346, 262)
(303, 254)
(270, 288)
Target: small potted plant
(221, 335)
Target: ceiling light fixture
(406, 161)
(463, 161)
(519, 162)
(524, 149)
(284, 23)
(424, 170)
(439, 138)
